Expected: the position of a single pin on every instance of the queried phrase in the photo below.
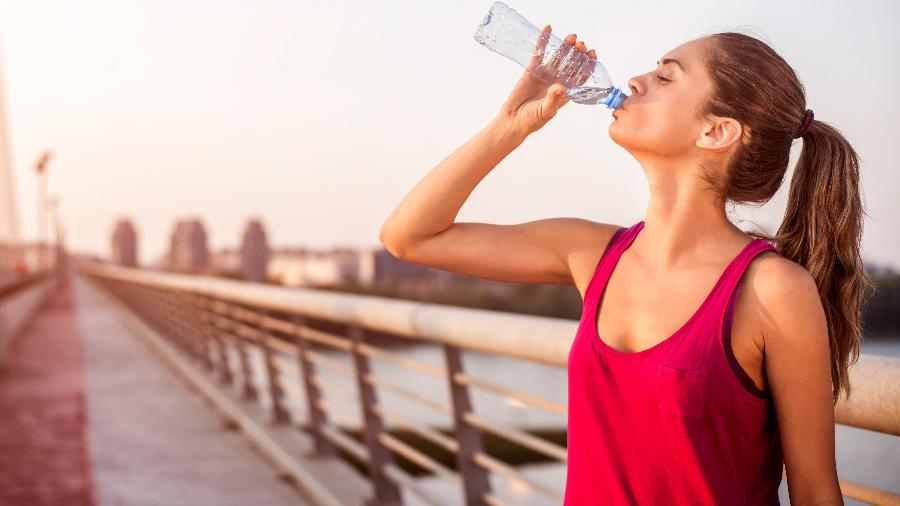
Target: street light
(43, 215)
(53, 204)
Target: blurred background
(230, 109)
(266, 142)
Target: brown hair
(822, 225)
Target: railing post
(386, 491)
(276, 393)
(218, 362)
(317, 416)
(474, 477)
(170, 321)
(220, 338)
(200, 329)
(249, 389)
(180, 326)
(152, 308)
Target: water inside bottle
(593, 95)
(588, 95)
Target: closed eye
(661, 78)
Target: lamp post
(43, 215)
(53, 205)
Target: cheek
(662, 131)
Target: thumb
(556, 97)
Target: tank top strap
(617, 244)
(731, 278)
(724, 311)
(721, 309)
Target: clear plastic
(506, 32)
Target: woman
(718, 355)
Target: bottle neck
(614, 99)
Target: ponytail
(822, 231)
(822, 225)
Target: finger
(537, 53)
(572, 62)
(575, 68)
(559, 56)
(587, 69)
(585, 72)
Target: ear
(719, 134)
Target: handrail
(275, 321)
(537, 338)
(17, 283)
(20, 297)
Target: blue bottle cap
(614, 100)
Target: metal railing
(224, 324)
(20, 297)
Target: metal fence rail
(20, 297)
(231, 327)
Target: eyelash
(661, 78)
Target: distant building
(188, 250)
(366, 266)
(225, 262)
(254, 252)
(378, 266)
(124, 244)
(313, 268)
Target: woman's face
(661, 115)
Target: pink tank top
(678, 423)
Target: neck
(685, 220)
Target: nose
(635, 85)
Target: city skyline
(158, 111)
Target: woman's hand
(534, 101)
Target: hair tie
(804, 126)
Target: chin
(616, 134)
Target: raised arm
(422, 229)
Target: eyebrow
(676, 62)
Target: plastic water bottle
(506, 32)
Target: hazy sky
(320, 116)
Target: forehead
(690, 53)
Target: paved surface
(43, 444)
(90, 415)
(152, 439)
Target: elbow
(391, 243)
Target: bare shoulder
(778, 279)
(782, 294)
(588, 241)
